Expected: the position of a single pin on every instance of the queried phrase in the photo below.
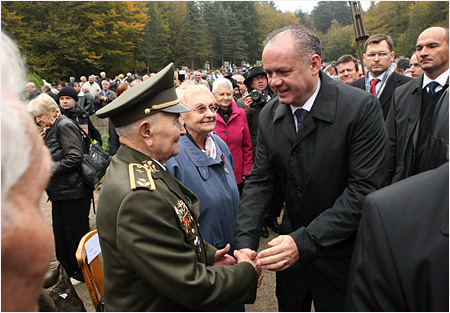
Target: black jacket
(394, 81)
(81, 117)
(401, 258)
(67, 150)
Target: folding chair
(89, 261)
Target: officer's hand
(282, 254)
(221, 258)
(248, 102)
(242, 257)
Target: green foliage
(105, 144)
(74, 38)
(36, 79)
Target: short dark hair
(379, 38)
(306, 41)
(403, 64)
(347, 58)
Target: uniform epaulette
(141, 175)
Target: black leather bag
(95, 162)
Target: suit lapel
(416, 101)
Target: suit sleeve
(367, 164)
(374, 283)
(148, 237)
(392, 140)
(258, 190)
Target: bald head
(432, 51)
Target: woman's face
(224, 95)
(44, 119)
(196, 121)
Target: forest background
(73, 38)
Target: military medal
(185, 217)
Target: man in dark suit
(410, 121)
(328, 163)
(154, 256)
(381, 79)
(401, 254)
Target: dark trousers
(70, 224)
(323, 282)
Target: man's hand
(248, 102)
(221, 258)
(282, 254)
(243, 256)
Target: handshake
(281, 254)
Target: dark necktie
(432, 87)
(373, 83)
(300, 115)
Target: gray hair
(85, 88)
(306, 41)
(130, 130)
(16, 157)
(43, 104)
(221, 82)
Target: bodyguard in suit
(328, 143)
(401, 255)
(154, 256)
(410, 121)
(381, 79)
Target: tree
(327, 11)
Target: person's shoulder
(400, 79)
(359, 83)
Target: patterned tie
(432, 87)
(300, 115)
(373, 83)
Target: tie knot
(374, 82)
(432, 87)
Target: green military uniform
(152, 260)
(153, 254)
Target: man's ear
(145, 132)
(316, 63)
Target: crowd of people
(347, 163)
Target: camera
(257, 97)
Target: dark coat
(34, 94)
(401, 254)
(403, 127)
(151, 262)
(338, 156)
(252, 118)
(81, 118)
(98, 103)
(67, 150)
(394, 81)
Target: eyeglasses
(381, 55)
(202, 109)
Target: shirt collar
(380, 77)
(309, 103)
(441, 79)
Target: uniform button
(299, 190)
(225, 133)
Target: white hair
(131, 129)
(16, 140)
(221, 82)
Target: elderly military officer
(154, 257)
(327, 142)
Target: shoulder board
(140, 176)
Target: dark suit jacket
(401, 254)
(150, 258)
(392, 83)
(338, 156)
(403, 126)
(98, 103)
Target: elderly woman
(205, 165)
(232, 127)
(70, 197)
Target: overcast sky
(306, 6)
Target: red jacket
(236, 135)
